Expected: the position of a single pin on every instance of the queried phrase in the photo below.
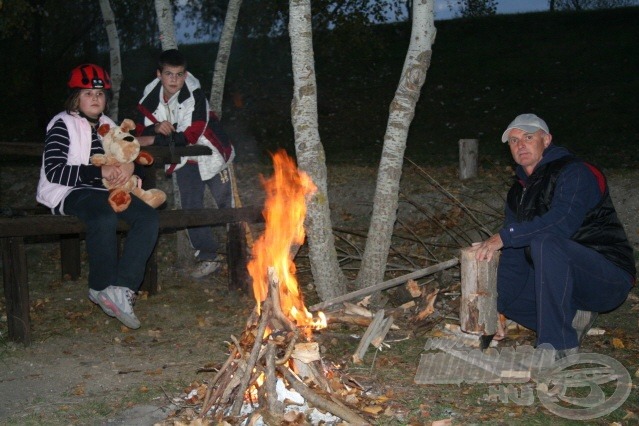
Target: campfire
(275, 363)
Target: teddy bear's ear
(103, 129)
(127, 125)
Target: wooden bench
(20, 227)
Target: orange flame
(284, 211)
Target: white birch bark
(223, 54)
(165, 24)
(402, 111)
(114, 57)
(329, 280)
(168, 40)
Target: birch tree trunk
(223, 54)
(114, 57)
(329, 280)
(166, 25)
(402, 111)
(169, 41)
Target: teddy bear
(121, 147)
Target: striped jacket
(69, 143)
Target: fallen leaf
(631, 416)
(79, 390)
(443, 422)
(156, 372)
(373, 409)
(201, 320)
(617, 343)
(155, 333)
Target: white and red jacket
(195, 124)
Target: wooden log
(238, 257)
(386, 284)
(16, 289)
(468, 158)
(70, 257)
(372, 330)
(24, 226)
(478, 307)
(316, 400)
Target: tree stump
(478, 308)
(468, 158)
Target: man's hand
(486, 249)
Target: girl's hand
(119, 174)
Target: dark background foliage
(575, 69)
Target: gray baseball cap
(529, 123)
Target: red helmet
(89, 76)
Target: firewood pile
(275, 374)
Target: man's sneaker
(120, 301)
(582, 322)
(207, 267)
(94, 297)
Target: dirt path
(84, 368)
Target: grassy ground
(84, 368)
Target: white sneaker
(120, 301)
(94, 297)
(207, 267)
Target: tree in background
(578, 5)
(164, 12)
(473, 8)
(114, 58)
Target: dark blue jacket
(567, 197)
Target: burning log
(269, 356)
(234, 384)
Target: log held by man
(478, 308)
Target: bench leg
(16, 289)
(150, 282)
(238, 255)
(70, 257)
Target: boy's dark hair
(171, 57)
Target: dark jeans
(105, 267)
(192, 189)
(565, 277)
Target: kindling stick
(386, 284)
